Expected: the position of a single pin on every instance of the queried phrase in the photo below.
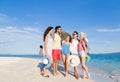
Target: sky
(23, 22)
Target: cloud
(10, 29)
(7, 19)
(2, 15)
(5, 40)
(31, 29)
(36, 23)
(108, 30)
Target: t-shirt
(57, 42)
(73, 47)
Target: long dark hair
(47, 31)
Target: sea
(105, 65)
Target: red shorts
(56, 54)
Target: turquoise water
(109, 64)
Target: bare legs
(65, 61)
(84, 68)
(55, 67)
(76, 72)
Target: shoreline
(27, 69)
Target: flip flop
(42, 74)
(46, 76)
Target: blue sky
(22, 23)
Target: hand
(46, 54)
(71, 53)
(87, 56)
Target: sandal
(46, 76)
(42, 74)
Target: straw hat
(73, 60)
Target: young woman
(66, 53)
(74, 51)
(48, 45)
(82, 49)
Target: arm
(85, 49)
(71, 49)
(45, 46)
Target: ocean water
(105, 65)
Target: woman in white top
(48, 45)
(74, 51)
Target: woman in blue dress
(66, 53)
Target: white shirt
(74, 47)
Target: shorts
(56, 54)
(82, 54)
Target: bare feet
(66, 74)
(88, 76)
(77, 76)
(55, 74)
(84, 77)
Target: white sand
(27, 70)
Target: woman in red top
(82, 50)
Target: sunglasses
(74, 34)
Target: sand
(27, 70)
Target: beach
(13, 69)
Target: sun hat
(73, 60)
(46, 62)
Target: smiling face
(75, 35)
(59, 30)
(82, 36)
(67, 38)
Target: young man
(56, 52)
(74, 51)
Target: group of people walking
(56, 49)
